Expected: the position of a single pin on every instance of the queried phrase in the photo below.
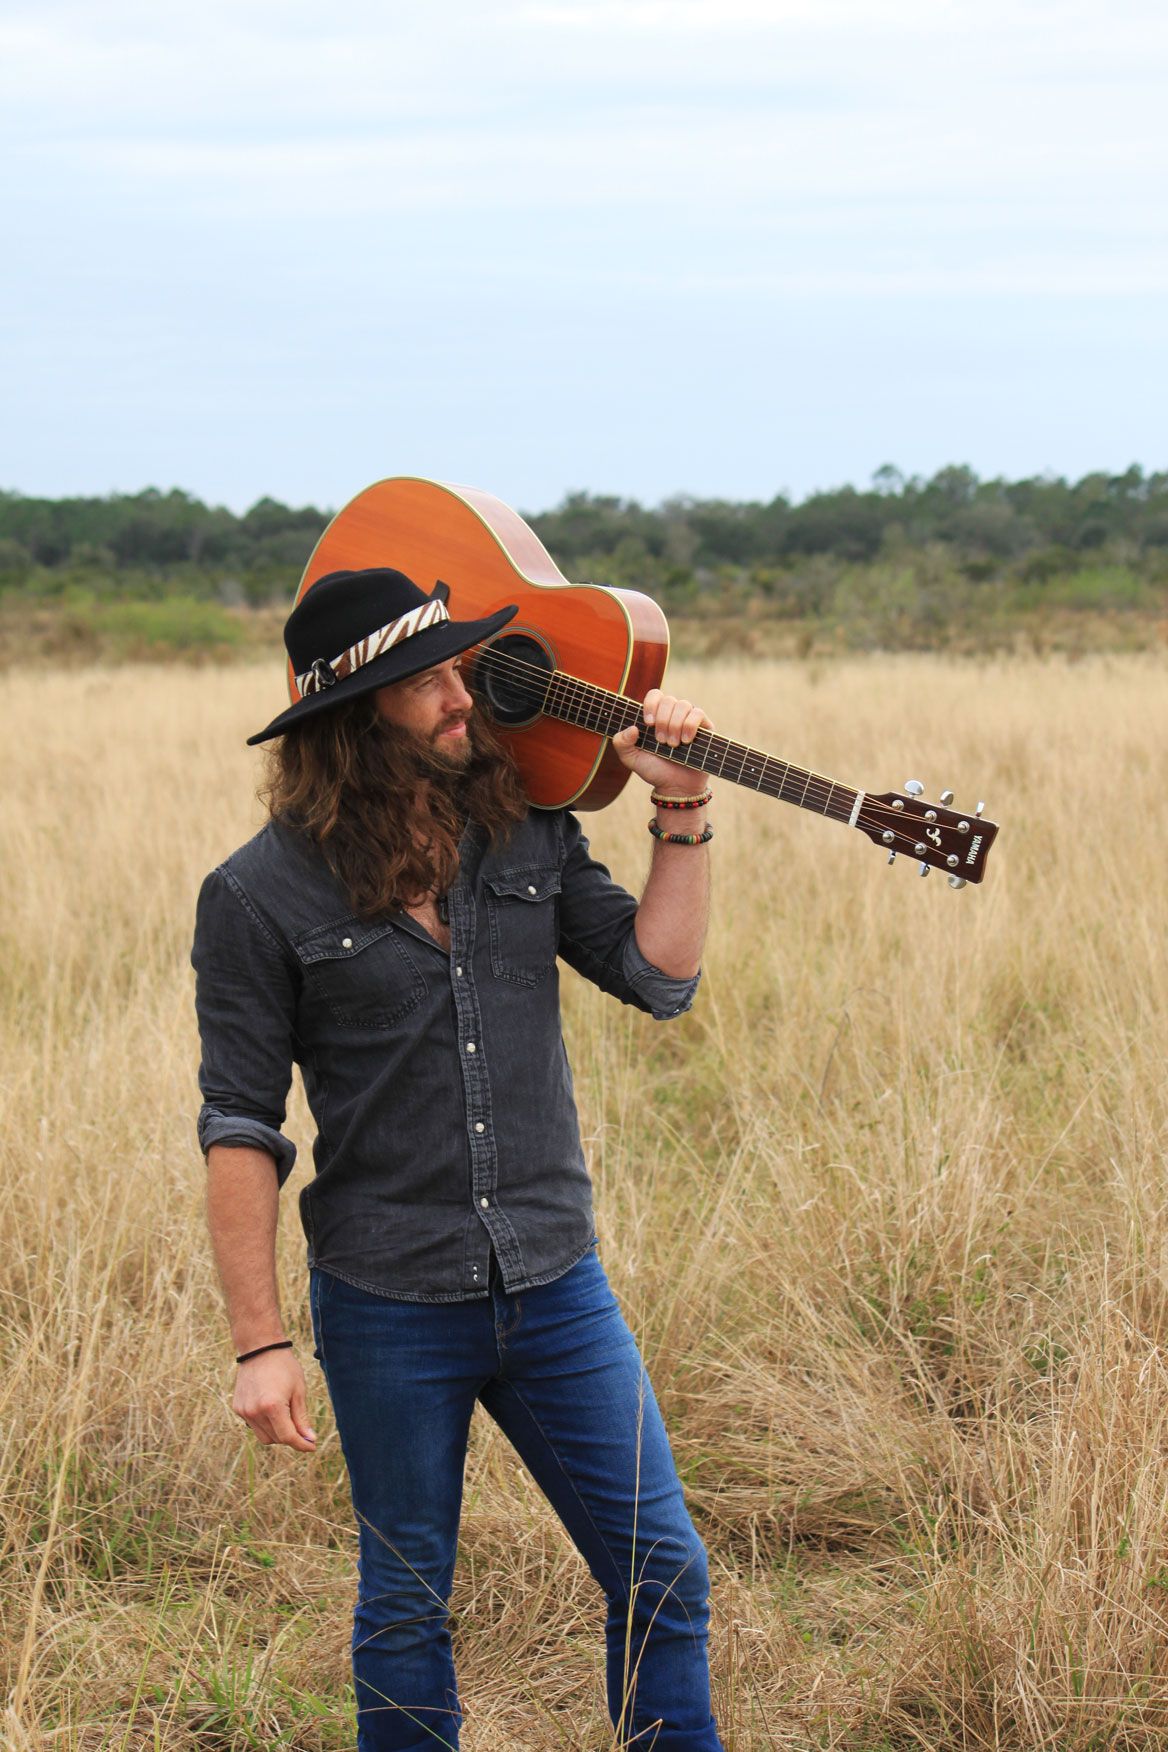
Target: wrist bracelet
(280, 1344)
(671, 802)
(680, 839)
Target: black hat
(352, 632)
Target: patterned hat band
(326, 672)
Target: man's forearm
(675, 907)
(242, 1206)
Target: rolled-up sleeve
(665, 996)
(245, 999)
(597, 934)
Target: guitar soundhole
(512, 674)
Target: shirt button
(458, 971)
(530, 889)
(484, 1202)
(479, 1126)
(470, 1046)
(346, 942)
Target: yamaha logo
(971, 855)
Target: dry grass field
(888, 1211)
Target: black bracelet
(680, 839)
(280, 1344)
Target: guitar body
(487, 557)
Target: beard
(433, 762)
(459, 751)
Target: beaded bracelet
(696, 802)
(680, 839)
(281, 1344)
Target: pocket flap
(528, 884)
(338, 940)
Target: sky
(725, 248)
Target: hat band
(326, 672)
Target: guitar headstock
(937, 835)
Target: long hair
(351, 781)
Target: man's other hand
(271, 1397)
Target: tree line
(158, 543)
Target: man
(393, 930)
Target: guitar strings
(559, 688)
(904, 835)
(588, 700)
(603, 712)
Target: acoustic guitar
(571, 668)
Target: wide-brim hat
(352, 632)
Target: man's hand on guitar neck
(670, 720)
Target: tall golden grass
(887, 1210)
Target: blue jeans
(559, 1371)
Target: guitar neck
(593, 708)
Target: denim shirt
(438, 1080)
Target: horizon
(887, 490)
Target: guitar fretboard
(593, 708)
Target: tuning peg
(946, 798)
(957, 881)
(979, 808)
(922, 869)
(892, 857)
(914, 787)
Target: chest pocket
(523, 913)
(364, 973)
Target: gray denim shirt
(438, 1081)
